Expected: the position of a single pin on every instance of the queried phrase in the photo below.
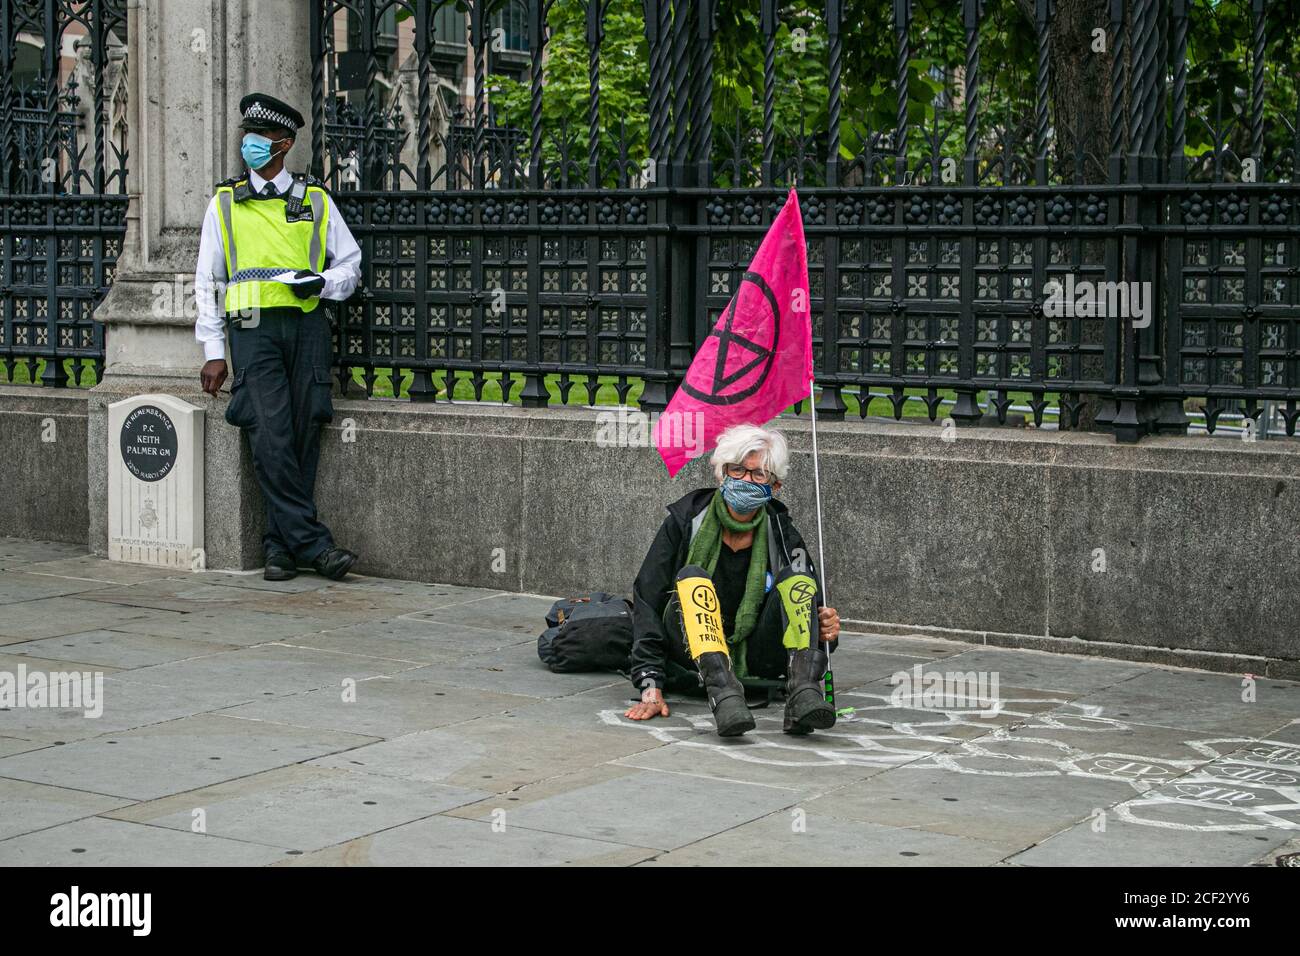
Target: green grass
(606, 394)
(16, 372)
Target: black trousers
(765, 652)
(280, 397)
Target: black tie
(270, 190)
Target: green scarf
(704, 551)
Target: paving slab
(339, 605)
(267, 669)
(236, 625)
(774, 840)
(1198, 701)
(17, 552)
(524, 614)
(423, 642)
(12, 656)
(381, 707)
(1092, 738)
(126, 706)
(1044, 670)
(52, 617)
(17, 745)
(16, 586)
(634, 807)
(763, 757)
(446, 841)
(99, 843)
(1126, 844)
(188, 593)
(121, 650)
(887, 702)
(90, 568)
(175, 756)
(26, 807)
(915, 645)
(299, 808)
(855, 666)
(1014, 810)
(511, 670)
(431, 594)
(254, 581)
(499, 753)
(1248, 785)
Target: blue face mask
(744, 497)
(256, 150)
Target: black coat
(667, 555)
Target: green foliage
(624, 89)
(1219, 63)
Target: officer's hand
(651, 705)
(305, 290)
(213, 374)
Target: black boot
(726, 695)
(280, 567)
(806, 708)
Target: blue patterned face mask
(744, 497)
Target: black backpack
(592, 632)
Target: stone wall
(43, 463)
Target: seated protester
(731, 557)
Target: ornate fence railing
(62, 185)
(1062, 259)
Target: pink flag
(757, 361)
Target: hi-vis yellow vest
(259, 244)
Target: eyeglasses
(738, 472)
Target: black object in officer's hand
(305, 290)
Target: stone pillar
(188, 64)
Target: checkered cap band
(256, 111)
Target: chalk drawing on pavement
(1225, 783)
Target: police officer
(274, 245)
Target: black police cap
(262, 112)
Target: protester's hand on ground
(830, 623)
(651, 705)
(212, 376)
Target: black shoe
(280, 567)
(806, 708)
(726, 695)
(334, 563)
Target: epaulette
(309, 180)
(241, 187)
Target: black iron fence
(1065, 257)
(62, 184)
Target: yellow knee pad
(798, 593)
(701, 616)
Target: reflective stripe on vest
(259, 245)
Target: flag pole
(817, 489)
(828, 679)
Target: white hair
(740, 441)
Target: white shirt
(341, 278)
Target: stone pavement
(390, 722)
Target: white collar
(283, 180)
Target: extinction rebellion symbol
(148, 443)
(755, 358)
